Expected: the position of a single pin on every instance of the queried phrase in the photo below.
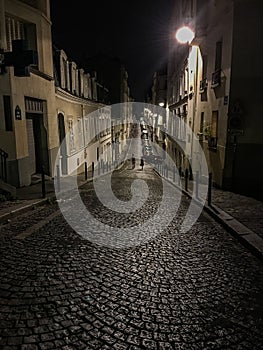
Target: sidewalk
(242, 216)
(31, 196)
(26, 198)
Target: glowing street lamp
(184, 35)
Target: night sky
(136, 32)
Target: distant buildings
(158, 96)
(43, 100)
(112, 73)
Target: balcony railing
(203, 85)
(212, 142)
(216, 78)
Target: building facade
(27, 103)
(213, 87)
(45, 100)
(76, 100)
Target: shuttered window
(16, 29)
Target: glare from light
(161, 104)
(184, 35)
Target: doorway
(62, 143)
(37, 144)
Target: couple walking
(134, 161)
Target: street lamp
(184, 35)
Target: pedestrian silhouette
(133, 161)
(142, 163)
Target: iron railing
(216, 78)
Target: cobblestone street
(197, 290)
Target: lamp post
(185, 35)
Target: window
(201, 128)
(72, 77)
(8, 113)
(77, 82)
(80, 133)
(65, 73)
(212, 139)
(216, 75)
(71, 136)
(17, 29)
(203, 82)
(218, 57)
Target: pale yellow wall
(74, 108)
(7, 143)
(15, 143)
(36, 87)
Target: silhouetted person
(142, 163)
(133, 161)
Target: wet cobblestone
(198, 290)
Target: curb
(242, 233)
(246, 236)
(15, 212)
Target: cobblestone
(197, 290)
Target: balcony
(216, 78)
(203, 85)
(200, 136)
(212, 142)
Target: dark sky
(136, 32)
